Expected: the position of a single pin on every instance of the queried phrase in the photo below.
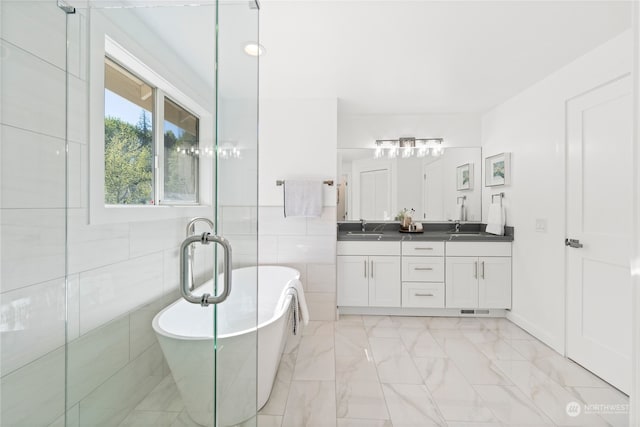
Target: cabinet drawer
(478, 248)
(427, 295)
(368, 248)
(423, 248)
(422, 269)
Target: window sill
(111, 214)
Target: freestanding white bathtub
(185, 333)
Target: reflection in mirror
(439, 188)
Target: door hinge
(68, 9)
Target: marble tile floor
(381, 371)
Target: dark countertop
(433, 232)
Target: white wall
(635, 264)
(361, 131)
(452, 159)
(531, 126)
(298, 140)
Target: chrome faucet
(457, 229)
(363, 223)
(191, 229)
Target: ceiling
(390, 57)
(413, 57)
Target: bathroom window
(181, 153)
(151, 143)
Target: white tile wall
(141, 336)
(152, 236)
(36, 93)
(32, 323)
(78, 166)
(321, 278)
(32, 246)
(95, 357)
(238, 220)
(39, 385)
(78, 112)
(110, 403)
(273, 223)
(25, 22)
(93, 246)
(108, 292)
(171, 270)
(307, 244)
(33, 170)
(306, 249)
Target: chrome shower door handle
(185, 277)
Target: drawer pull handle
(423, 249)
(423, 268)
(424, 295)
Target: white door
(461, 282)
(494, 285)
(432, 189)
(384, 281)
(374, 194)
(382, 207)
(599, 197)
(368, 194)
(353, 284)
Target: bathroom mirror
(434, 186)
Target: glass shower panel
(33, 196)
(237, 135)
(142, 104)
(137, 353)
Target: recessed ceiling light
(254, 49)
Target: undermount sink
(364, 233)
(465, 233)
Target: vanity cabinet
(423, 275)
(478, 275)
(368, 274)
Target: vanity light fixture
(408, 147)
(229, 150)
(254, 49)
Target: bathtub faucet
(191, 229)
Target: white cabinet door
(384, 281)
(494, 287)
(462, 282)
(353, 284)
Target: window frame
(103, 46)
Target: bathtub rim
(156, 319)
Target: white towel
(303, 198)
(302, 302)
(496, 220)
(460, 212)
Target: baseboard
(397, 311)
(554, 343)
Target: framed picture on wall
(464, 177)
(497, 170)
